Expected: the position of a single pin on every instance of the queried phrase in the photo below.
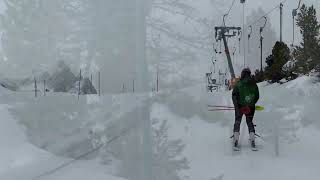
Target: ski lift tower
(222, 33)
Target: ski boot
(252, 141)
(236, 136)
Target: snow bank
(21, 160)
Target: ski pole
(213, 106)
(226, 108)
(229, 109)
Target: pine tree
(259, 76)
(308, 54)
(280, 56)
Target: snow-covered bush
(62, 79)
(167, 154)
(126, 152)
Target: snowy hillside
(290, 118)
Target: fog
(155, 118)
(101, 36)
(96, 36)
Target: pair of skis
(238, 148)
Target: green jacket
(245, 93)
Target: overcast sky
(206, 9)
(215, 10)
(236, 13)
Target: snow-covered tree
(168, 161)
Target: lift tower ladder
(222, 33)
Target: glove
(245, 110)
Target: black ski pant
(249, 119)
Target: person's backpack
(248, 93)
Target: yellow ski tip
(260, 108)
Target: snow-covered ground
(290, 119)
(33, 130)
(19, 159)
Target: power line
(231, 7)
(228, 12)
(62, 166)
(269, 12)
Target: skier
(245, 95)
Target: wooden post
(133, 86)
(79, 90)
(44, 87)
(99, 84)
(35, 87)
(157, 79)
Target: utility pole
(222, 32)
(281, 13)
(261, 52)
(294, 14)
(243, 42)
(249, 37)
(261, 43)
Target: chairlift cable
(269, 12)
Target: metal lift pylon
(222, 33)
